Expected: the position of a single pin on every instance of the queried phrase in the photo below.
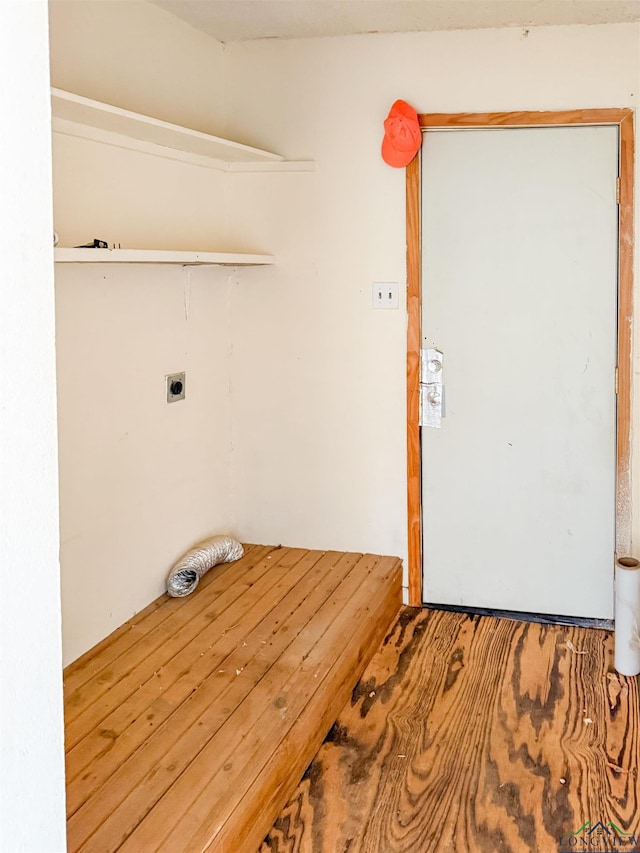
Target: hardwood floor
(476, 735)
(188, 728)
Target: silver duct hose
(185, 575)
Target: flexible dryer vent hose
(185, 575)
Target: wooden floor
(476, 735)
(189, 727)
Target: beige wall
(333, 470)
(294, 430)
(32, 814)
(135, 55)
(140, 480)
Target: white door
(519, 293)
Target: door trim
(623, 119)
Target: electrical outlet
(385, 294)
(176, 386)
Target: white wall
(317, 375)
(140, 480)
(326, 466)
(32, 815)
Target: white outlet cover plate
(385, 294)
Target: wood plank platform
(476, 735)
(189, 727)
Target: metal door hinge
(618, 190)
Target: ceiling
(241, 20)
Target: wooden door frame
(623, 119)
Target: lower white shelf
(158, 256)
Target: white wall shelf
(159, 256)
(74, 115)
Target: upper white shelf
(158, 256)
(75, 115)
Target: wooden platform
(474, 734)
(189, 727)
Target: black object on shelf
(94, 244)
